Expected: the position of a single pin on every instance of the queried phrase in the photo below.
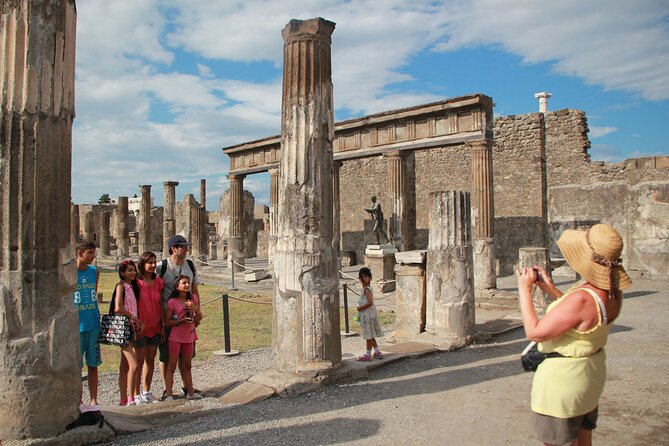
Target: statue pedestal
(380, 259)
(410, 299)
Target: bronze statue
(377, 214)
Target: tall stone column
(398, 223)
(305, 329)
(169, 213)
(203, 193)
(40, 378)
(450, 293)
(74, 225)
(273, 201)
(122, 236)
(236, 230)
(104, 233)
(195, 229)
(483, 216)
(336, 210)
(89, 227)
(144, 223)
(204, 239)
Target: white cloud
(598, 132)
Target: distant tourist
(567, 385)
(368, 317)
(125, 304)
(86, 300)
(169, 270)
(183, 313)
(150, 312)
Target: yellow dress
(569, 387)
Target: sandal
(378, 355)
(364, 357)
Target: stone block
(381, 261)
(246, 393)
(254, 276)
(411, 257)
(410, 300)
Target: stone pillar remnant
(483, 216)
(535, 256)
(543, 101)
(104, 233)
(336, 210)
(410, 299)
(144, 223)
(123, 237)
(236, 231)
(40, 378)
(169, 213)
(89, 227)
(398, 223)
(75, 236)
(203, 193)
(305, 329)
(204, 239)
(273, 201)
(450, 294)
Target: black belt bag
(532, 357)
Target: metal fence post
(226, 329)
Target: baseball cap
(177, 240)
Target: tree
(104, 199)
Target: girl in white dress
(369, 319)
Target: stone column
(398, 223)
(336, 210)
(204, 240)
(74, 225)
(305, 329)
(530, 257)
(273, 200)
(104, 233)
(89, 227)
(236, 230)
(203, 193)
(123, 238)
(195, 229)
(40, 377)
(450, 294)
(169, 213)
(410, 298)
(483, 216)
(144, 223)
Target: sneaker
(378, 355)
(194, 396)
(149, 398)
(168, 398)
(140, 401)
(185, 391)
(364, 357)
(131, 402)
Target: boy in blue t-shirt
(86, 300)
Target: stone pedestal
(410, 298)
(380, 259)
(450, 290)
(530, 257)
(485, 277)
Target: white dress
(369, 318)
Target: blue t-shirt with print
(86, 299)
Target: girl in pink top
(125, 304)
(183, 313)
(150, 312)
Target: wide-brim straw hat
(595, 255)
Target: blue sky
(162, 85)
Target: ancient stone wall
(248, 226)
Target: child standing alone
(369, 319)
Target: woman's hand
(526, 278)
(545, 284)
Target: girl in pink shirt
(183, 312)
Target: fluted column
(169, 213)
(483, 216)
(305, 329)
(144, 224)
(40, 378)
(450, 293)
(204, 240)
(236, 232)
(89, 227)
(195, 228)
(273, 200)
(122, 236)
(74, 225)
(398, 223)
(104, 233)
(203, 193)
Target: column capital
(312, 29)
(170, 183)
(236, 176)
(487, 142)
(145, 187)
(393, 154)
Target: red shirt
(149, 306)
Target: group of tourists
(162, 304)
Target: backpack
(163, 268)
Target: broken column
(305, 329)
(398, 224)
(104, 233)
(273, 200)
(204, 239)
(122, 236)
(169, 213)
(74, 225)
(40, 377)
(450, 294)
(530, 257)
(483, 216)
(235, 234)
(89, 227)
(410, 298)
(144, 223)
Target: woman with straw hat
(567, 385)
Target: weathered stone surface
(75, 236)
(305, 329)
(122, 233)
(247, 393)
(380, 259)
(529, 257)
(410, 299)
(169, 213)
(411, 257)
(104, 234)
(485, 276)
(39, 342)
(254, 276)
(89, 228)
(144, 226)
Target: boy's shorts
(144, 341)
(90, 348)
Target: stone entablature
(452, 121)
